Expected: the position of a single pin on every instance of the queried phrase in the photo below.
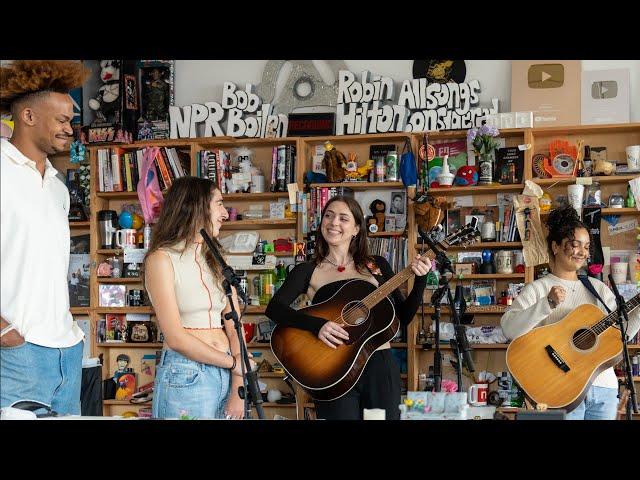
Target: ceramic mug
(126, 237)
(478, 393)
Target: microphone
(227, 271)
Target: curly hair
(562, 223)
(24, 78)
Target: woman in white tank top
(199, 372)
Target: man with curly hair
(40, 344)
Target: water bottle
(147, 236)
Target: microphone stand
(622, 313)
(250, 391)
(460, 344)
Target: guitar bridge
(557, 359)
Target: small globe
(137, 221)
(125, 220)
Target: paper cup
(619, 272)
(633, 157)
(575, 194)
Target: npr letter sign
(236, 104)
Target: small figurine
(332, 162)
(105, 102)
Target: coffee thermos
(107, 226)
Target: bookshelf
(489, 356)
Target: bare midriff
(214, 337)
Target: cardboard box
(549, 88)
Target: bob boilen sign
(361, 107)
(245, 114)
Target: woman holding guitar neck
(549, 299)
(341, 254)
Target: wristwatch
(552, 303)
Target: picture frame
(453, 220)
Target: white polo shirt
(34, 251)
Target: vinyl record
(440, 71)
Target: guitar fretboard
(389, 286)
(610, 319)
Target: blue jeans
(47, 375)
(184, 387)
(601, 403)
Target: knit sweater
(531, 309)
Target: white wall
(198, 81)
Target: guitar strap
(589, 286)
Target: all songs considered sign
(367, 105)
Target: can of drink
(380, 169)
(392, 166)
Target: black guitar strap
(589, 286)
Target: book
(457, 151)
(509, 165)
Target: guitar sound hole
(355, 313)
(584, 339)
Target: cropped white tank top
(200, 299)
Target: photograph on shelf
(453, 220)
(112, 295)
(78, 273)
(115, 328)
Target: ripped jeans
(184, 387)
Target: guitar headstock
(464, 236)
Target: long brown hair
(358, 248)
(184, 212)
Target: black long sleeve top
(297, 282)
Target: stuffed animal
(106, 102)
(332, 162)
(431, 212)
(353, 171)
(378, 207)
(466, 175)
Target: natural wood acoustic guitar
(556, 364)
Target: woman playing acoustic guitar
(341, 254)
(549, 299)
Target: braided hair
(562, 223)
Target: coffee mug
(478, 394)
(126, 237)
(249, 331)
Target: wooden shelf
(124, 310)
(398, 344)
(117, 195)
(610, 211)
(260, 223)
(587, 129)
(360, 185)
(255, 309)
(80, 310)
(85, 224)
(476, 189)
(119, 280)
(386, 234)
(123, 402)
(270, 375)
(254, 197)
(489, 276)
(129, 345)
(474, 346)
(569, 180)
(488, 310)
(278, 405)
(275, 254)
(633, 347)
(478, 246)
(258, 345)
(110, 251)
(635, 379)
